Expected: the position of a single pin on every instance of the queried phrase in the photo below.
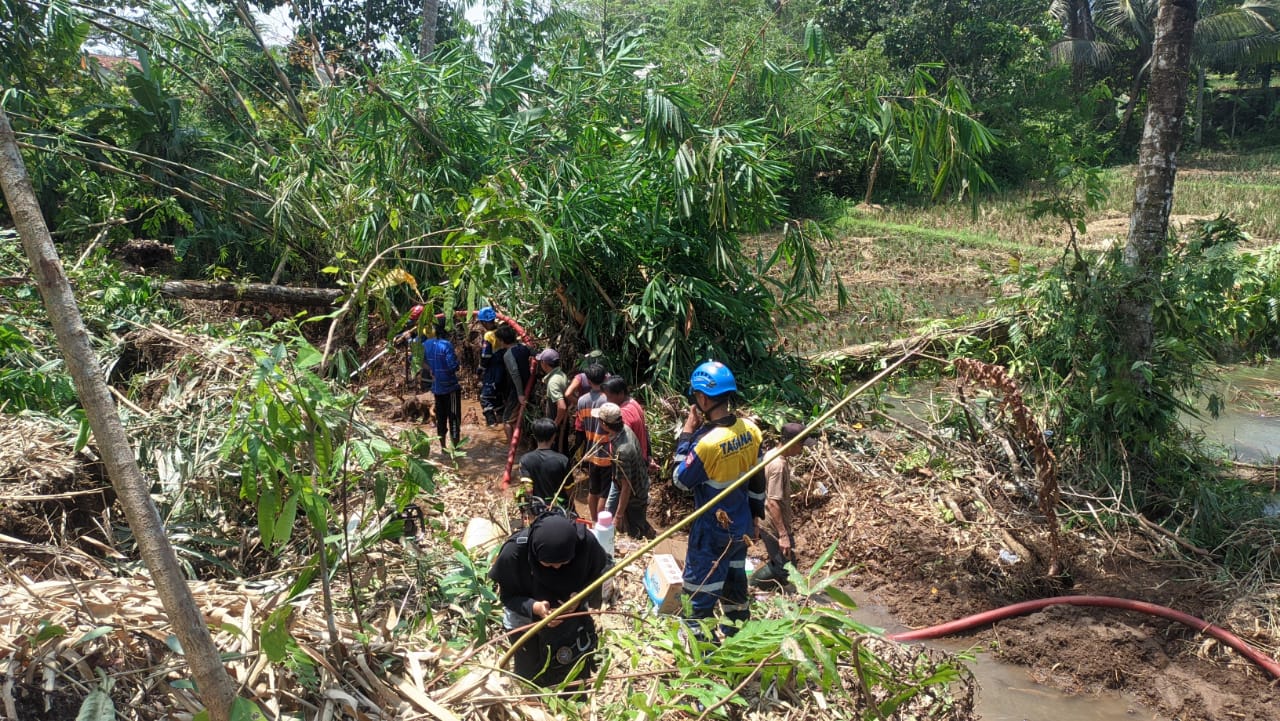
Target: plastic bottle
(604, 531)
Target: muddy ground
(927, 546)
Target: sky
(277, 28)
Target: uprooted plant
(1029, 432)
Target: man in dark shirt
(629, 502)
(490, 365)
(544, 469)
(514, 380)
(537, 570)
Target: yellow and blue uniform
(490, 373)
(708, 461)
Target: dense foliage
(594, 169)
(1216, 303)
(457, 172)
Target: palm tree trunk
(427, 38)
(1144, 252)
(1199, 135)
(216, 689)
(1135, 90)
(1080, 21)
(1080, 27)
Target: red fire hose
(1267, 663)
(515, 434)
(528, 388)
(520, 331)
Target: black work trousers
(449, 416)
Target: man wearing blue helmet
(714, 450)
(490, 372)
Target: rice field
(904, 266)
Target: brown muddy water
(1249, 426)
(1247, 429)
(1007, 693)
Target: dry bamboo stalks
(1029, 432)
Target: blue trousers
(715, 572)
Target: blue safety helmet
(713, 378)
(486, 315)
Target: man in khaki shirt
(776, 531)
(557, 406)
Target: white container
(604, 531)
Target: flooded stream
(1248, 429)
(1007, 693)
(1249, 426)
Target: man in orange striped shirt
(596, 455)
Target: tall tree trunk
(1080, 27)
(1080, 20)
(217, 690)
(427, 38)
(1135, 91)
(1145, 251)
(1200, 83)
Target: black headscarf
(553, 539)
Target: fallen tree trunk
(861, 359)
(254, 292)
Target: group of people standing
(608, 426)
(504, 371)
(554, 558)
(716, 448)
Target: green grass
(1243, 185)
(953, 237)
(1264, 160)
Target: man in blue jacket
(715, 449)
(441, 361)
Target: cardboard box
(663, 581)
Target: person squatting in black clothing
(537, 570)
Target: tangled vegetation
(661, 183)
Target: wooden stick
(1161, 530)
